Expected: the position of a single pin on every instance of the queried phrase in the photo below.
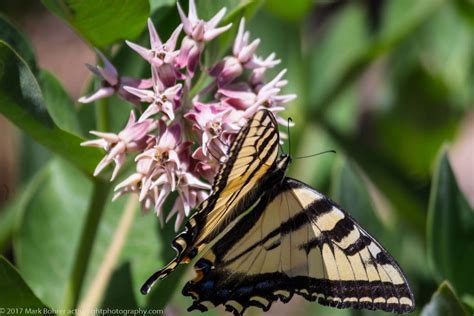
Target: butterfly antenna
(323, 152)
(289, 138)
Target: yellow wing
(295, 240)
(251, 155)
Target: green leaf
(18, 41)
(159, 4)
(11, 216)
(15, 293)
(407, 204)
(468, 300)
(344, 43)
(102, 23)
(58, 102)
(46, 243)
(401, 121)
(450, 230)
(351, 192)
(21, 101)
(347, 49)
(294, 12)
(17, 83)
(206, 9)
(466, 10)
(444, 303)
(120, 292)
(450, 61)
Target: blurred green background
(388, 84)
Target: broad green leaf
(15, 293)
(450, 230)
(392, 182)
(159, 4)
(468, 300)
(28, 166)
(59, 104)
(346, 50)
(11, 216)
(294, 12)
(46, 243)
(444, 302)
(102, 23)
(402, 17)
(18, 41)
(21, 101)
(350, 191)
(400, 121)
(450, 61)
(466, 10)
(332, 57)
(121, 291)
(18, 84)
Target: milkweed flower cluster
(178, 133)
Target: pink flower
(160, 99)
(192, 191)
(164, 168)
(227, 70)
(259, 67)
(266, 97)
(198, 32)
(189, 54)
(112, 83)
(242, 50)
(198, 29)
(233, 66)
(131, 139)
(206, 166)
(213, 122)
(171, 160)
(159, 53)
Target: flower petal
(155, 41)
(99, 94)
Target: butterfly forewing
(252, 153)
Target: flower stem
(89, 231)
(102, 115)
(102, 277)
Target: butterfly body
(263, 237)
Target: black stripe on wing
(240, 291)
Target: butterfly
(261, 236)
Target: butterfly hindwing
(296, 241)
